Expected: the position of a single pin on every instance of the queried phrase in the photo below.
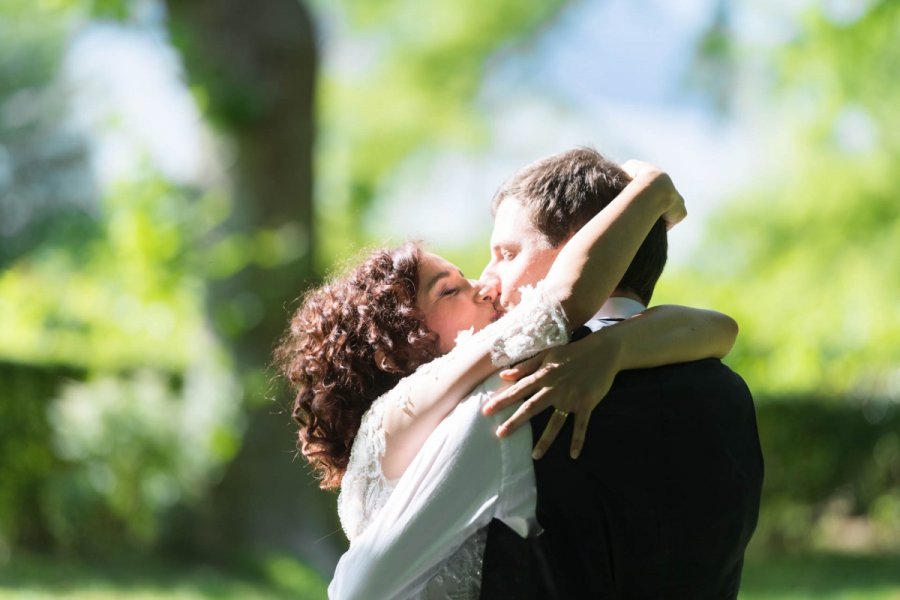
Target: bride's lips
(498, 312)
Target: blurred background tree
(133, 387)
(811, 245)
(133, 290)
(138, 305)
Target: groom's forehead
(512, 214)
(513, 224)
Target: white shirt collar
(619, 307)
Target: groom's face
(520, 254)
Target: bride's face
(451, 303)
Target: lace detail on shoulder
(536, 323)
(364, 488)
(460, 576)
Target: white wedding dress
(534, 325)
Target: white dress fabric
(401, 554)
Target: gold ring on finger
(561, 413)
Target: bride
(380, 357)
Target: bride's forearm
(430, 396)
(665, 335)
(606, 245)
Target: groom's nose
(488, 289)
(488, 273)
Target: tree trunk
(257, 62)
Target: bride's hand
(658, 179)
(573, 379)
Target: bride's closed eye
(452, 285)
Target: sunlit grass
(822, 576)
(819, 576)
(274, 578)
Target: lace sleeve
(536, 323)
(364, 488)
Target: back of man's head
(564, 191)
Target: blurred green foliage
(94, 460)
(410, 88)
(135, 445)
(29, 457)
(271, 577)
(45, 188)
(828, 465)
(117, 399)
(807, 259)
(128, 273)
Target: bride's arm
(576, 377)
(603, 248)
(606, 245)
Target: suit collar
(619, 307)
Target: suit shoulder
(705, 372)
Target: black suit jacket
(661, 503)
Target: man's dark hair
(564, 191)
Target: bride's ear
(381, 360)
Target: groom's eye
(447, 292)
(507, 254)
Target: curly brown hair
(351, 340)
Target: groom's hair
(563, 192)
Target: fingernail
(501, 431)
(574, 453)
(537, 454)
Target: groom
(665, 494)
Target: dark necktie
(584, 330)
(580, 333)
